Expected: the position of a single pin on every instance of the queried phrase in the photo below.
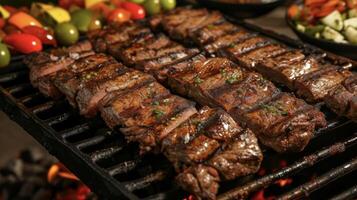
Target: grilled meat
(235, 50)
(211, 137)
(284, 117)
(152, 65)
(116, 33)
(42, 57)
(342, 99)
(316, 85)
(92, 93)
(211, 32)
(226, 41)
(201, 180)
(147, 115)
(67, 80)
(252, 58)
(286, 68)
(219, 82)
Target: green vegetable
(168, 4)
(66, 33)
(81, 19)
(350, 22)
(300, 27)
(158, 113)
(152, 6)
(5, 56)
(333, 20)
(313, 30)
(331, 34)
(351, 34)
(352, 13)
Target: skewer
(242, 192)
(304, 190)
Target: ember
(284, 182)
(25, 178)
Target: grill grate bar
(163, 195)
(124, 167)
(331, 125)
(43, 107)
(105, 153)
(243, 191)
(350, 193)
(75, 130)
(30, 97)
(145, 181)
(90, 141)
(58, 119)
(305, 189)
(13, 76)
(19, 87)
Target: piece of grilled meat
(209, 145)
(91, 94)
(343, 98)
(68, 80)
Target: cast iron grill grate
(113, 169)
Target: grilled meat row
(280, 120)
(196, 142)
(307, 75)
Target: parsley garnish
(275, 109)
(158, 113)
(197, 80)
(155, 103)
(232, 78)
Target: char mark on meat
(70, 80)
(90, 95)
(316, 85)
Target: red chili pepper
(10, 9)
(2, 23)
(136, 10)
(40, 33)
(23, 42)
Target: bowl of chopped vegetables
(328, 24)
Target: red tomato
(23, 42)
(2, 23)
(118, 15)
(40, 33)
(136, 10)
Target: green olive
(152, 6)
(168, 4)
(81, 19)
(95, 24)
(137, 1)
(4, 55)
(66, 33)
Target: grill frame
(83, 165)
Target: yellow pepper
(22, 19)
(4, 13)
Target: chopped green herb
(158, 113)
(223, 72)
(155, 103)
(275, 109)
(197, 80)
(231, 45)
(232, 78)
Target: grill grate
(113, 169)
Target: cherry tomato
(2, 23)
(23, 42)
(42, 34)
(136, 10)
(118, 15)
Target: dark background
(23, 2)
